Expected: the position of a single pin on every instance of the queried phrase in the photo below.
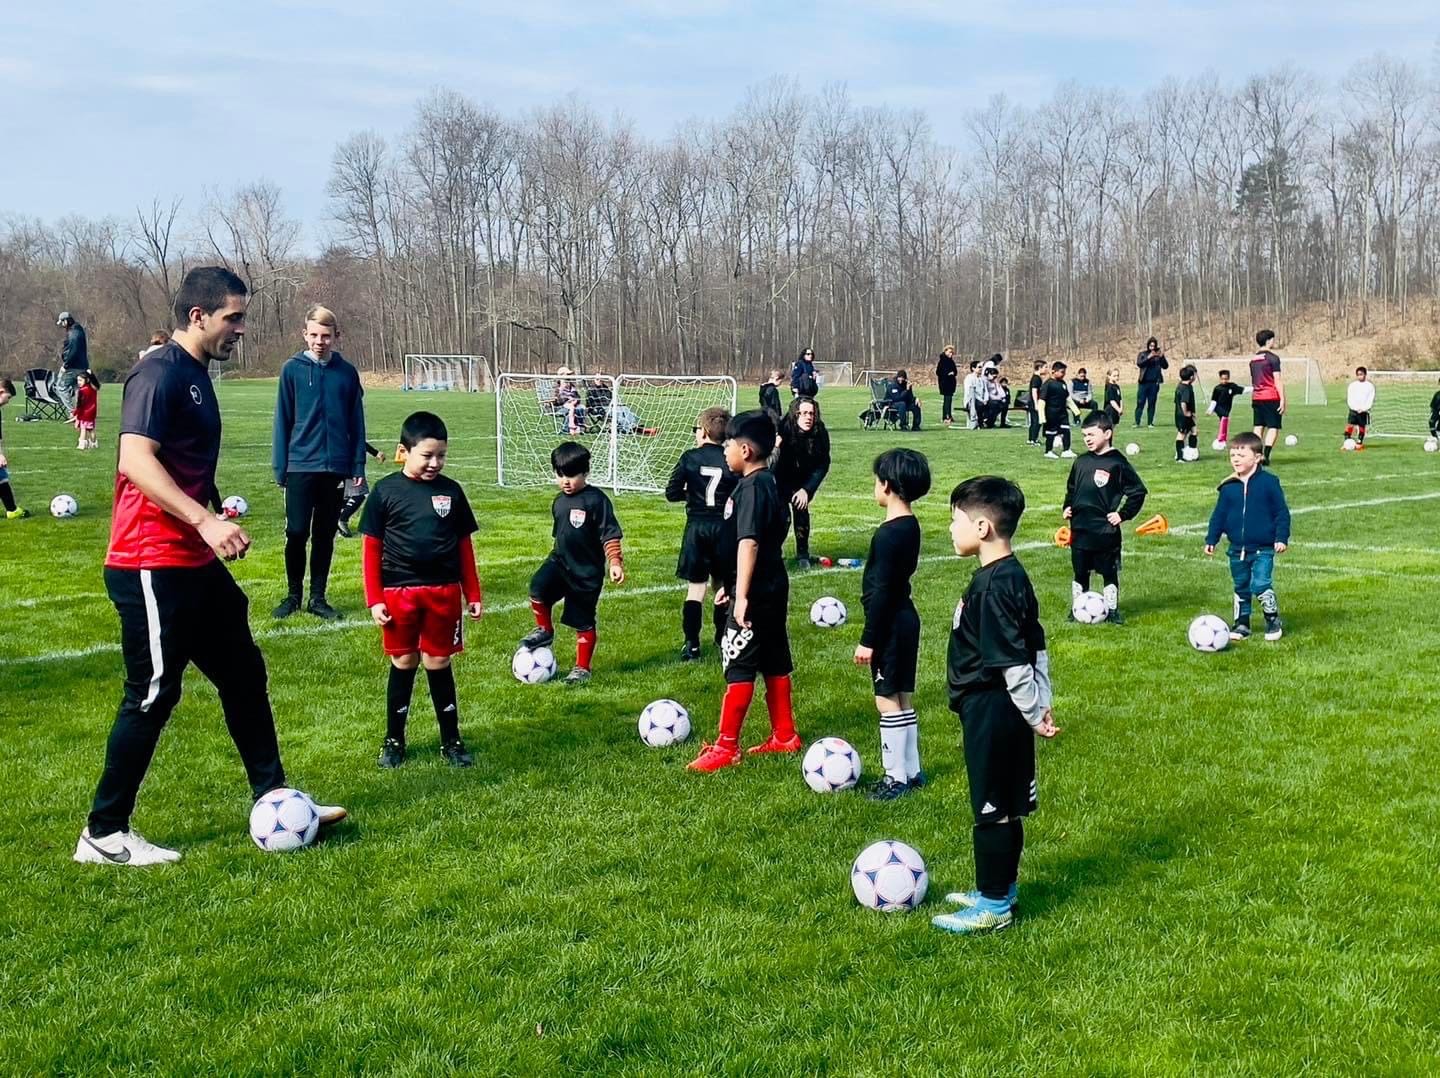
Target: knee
(435, 662)
(405, 662)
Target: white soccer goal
(1402, 403)
(635, 425)
(835, 373)
(867, 376)
(429, 373)
(1299, 374)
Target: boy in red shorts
(419, 563)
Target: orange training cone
(1062, 536)
(1156, 525)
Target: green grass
(1232, 870)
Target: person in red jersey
(176, 600)
(1267, 391)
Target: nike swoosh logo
(123, 857)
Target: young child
(1359, 398)
(356, 489)
(1103, 492)
(971, 396)
(1222, 399)
(703, 481)
(1114, 402)
(770, 394)
(1434, 415)
(7, 495)
(87, 406)
(1252, 513)
(890, 642)
(1185, 436)
(1054, 396)
(757, 593)
(419, 563)
(587, 540)
(1037, 380)
(999, 677)
(1080, 391)
(568, 403)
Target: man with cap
(74, 359)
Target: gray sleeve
(1029, 689)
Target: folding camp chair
(41, 400)
(881, 414)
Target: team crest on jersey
(577, 518)
(441, 502)
(1101, 477)
(195, 394)
(959, 610)
(729, 507)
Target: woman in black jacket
(801, 464)
(1152, 364)
(946, 376)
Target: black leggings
(801, 519)
(1034, 424)
(1147, 393)
(947, 407)
(312, 511)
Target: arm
(470, 576)
(1280, 388)
(140, 464)
(1282, 520)
(357, 428)
(675, 489)
(284, 419)
(70, 348)
(880, 611)
(1216, 527)
(745, 559)
(1133, 491)
(1069, 491)
(372, 553)
(822, 463)
(1030, 692)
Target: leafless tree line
(804, 220)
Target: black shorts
(761, 650)
(1184, 424)
(700, 559)
(1267, 413)
(999, 756)
(897, 655)
(1054, 424)
(550, 585)
(1358, 419)
(1104, 562)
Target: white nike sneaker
(1069, 454)
(122, 848)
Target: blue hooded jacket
(319, 418)
(1251, 515)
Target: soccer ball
(63, 505)
(284, 819)
(533, 666)
(1191, 453)
(1431, 445)
(1089, 607)
(889, 876)
(1348, 444)
(1292, 439)
(827, 612)
(1132, 449)
(1217, 445)
(1209, 633)
(235, 506)
(664, 722)
(830, 764)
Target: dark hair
(159, 337)
(570, 459)
(206, 287)
(88, 377)
(421, 425)
(794, 410)
(1057, 366)
(1361, 370)
(1225, 373)
(996, 359)
(756, 428)
(905, 471)
(901, 373)
(1247, 439)
(994, 497)
(1264, 337)
(1187, 372)
(8, 386)
(1080, 371)
(974, 363)
(712, 423)
(1098, 419)
(1151, 342)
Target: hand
(1209, 550)
(721, 599)
(357, 480)
(379, 614)
(617, 573)
(1114, 519)
(280, 483)
(741, 612)
(1068, 512)
(378, 456)
(1047, 727)
(475, 609)
(863, 654)
(225, 537)
(800, 499)
(4, 461)
(1281, 408)
(1280, 548)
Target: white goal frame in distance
(835, 373)
(1388, 415)
(422, 370)
(1299, 374)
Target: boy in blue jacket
(1252, 513)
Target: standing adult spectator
(177, 603)
(803, 382)
(74, 359)
(946, 378)
(1153, 365)
(801, 464)
(319, 443)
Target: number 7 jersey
(702, 481)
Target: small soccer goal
(442, 374)
(1403, 401)
(835, 373)
(635, 425)
(1300, 376)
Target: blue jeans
(1253, 575)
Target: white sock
(1076, 590)
(892, 743)
(1112, 596)
(912, 746)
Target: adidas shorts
(700, 560)
(893, 665)
(761, 650)
(999, 756)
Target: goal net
(830, 373)
(1402, 406)
(1299, 374)
(635, 425)
(868, 376)
(427, 373)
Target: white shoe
(1068, 455)
(1053, 456)
(330, 814)
(122, 848)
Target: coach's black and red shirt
(169, 399)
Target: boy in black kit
(1037, 379)
(1056, 403)
(703, 481)
(1103, 492)
(1222, 399)
(999, 675)
(890, 641)
(1185, 413)
(757, 592)
(418, 561)
(587, 538)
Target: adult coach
(801, 464)
(74, 359)
(177, 603)
(1153, 365)
(319, 443)
(947, 376)
(1267, 391)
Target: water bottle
(849, 563)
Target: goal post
(1402, 406)
(436, 373)
(834, 373)
(1299, 374)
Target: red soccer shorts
(425, 618)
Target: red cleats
(773, 744)
(714, 758)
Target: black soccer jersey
(1223, 396)
(996, 626)
(1101, 484)
(1054, 395)
(420, 524)
(756, 511)
(584, 523)
(885, 587)
(1112, 398)
(703, 481)
(1184, 401)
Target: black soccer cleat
(1241, 629)
(392, 753)
(1115, 617)
(690, 653)
(918, 780)
(456, 755)
(289, 605)
(888, 789)
(342, 529)
(537, 638)
(321, 609)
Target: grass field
(1232, 871)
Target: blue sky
(106, 105)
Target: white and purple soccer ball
(1431, 445)
(889, 876)
(1190, 453)
(664, 722)
(234, 506)
(1348, 445)
(1292, 439)
(1089, 608)
(1209, 633)
(533, 665)
(63, 505)
(284, 819)
(1132, 449)
(827, 612)
(830, 764)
